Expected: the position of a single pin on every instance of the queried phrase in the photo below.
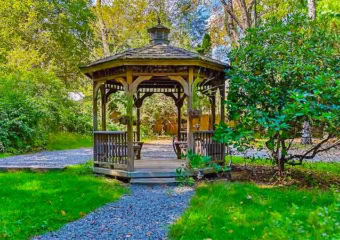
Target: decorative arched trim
(139, 80)
(123, 82)
(97, 86)
(182, 81)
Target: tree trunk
(306, 133)
(229, 23)
(311, 9)
(102, 28)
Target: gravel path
(160, 149)
(48, 158)
(145, 213)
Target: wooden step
(153, 181)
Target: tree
(53, 35)
(205, 47)
(284, 73)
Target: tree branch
(315, 150)
(231, 14)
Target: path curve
(145, 213)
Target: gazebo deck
(153, 168)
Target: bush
(32, 105)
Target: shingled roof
(158, 49)
(157, 52)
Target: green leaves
(284, 73)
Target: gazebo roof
(159, 51)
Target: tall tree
(102, 28)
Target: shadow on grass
(33, 203)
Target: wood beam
(95, 107)
(152, 62)
(190, 130)
(103, 100)
(133, 86)
(222, 93)
(139, 100)
(212, 100)
(179, 117)
(129, 112)
(182, 81)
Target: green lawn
(223, 210)
(65, 140)
(33, 203)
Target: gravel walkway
(160, 149)
(143, 214)
(48, 159)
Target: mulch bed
(293, 177)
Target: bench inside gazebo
(140, 73)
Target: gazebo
(141, 72)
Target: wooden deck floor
(158, 161)
(158, 164)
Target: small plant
(197, 160)
(183, 177)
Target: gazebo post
(95, 107)
(103, 99)
(190, 129)
(213, 110)
(130, 155)
(179, 117)
(222, 93)
(138, 125)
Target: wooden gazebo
(141, 72)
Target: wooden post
(213, 111)
(190, 130)
(222, 93)
(179, 117)
(130, 122)
(95, 107)
(103, 99)
(138, 120)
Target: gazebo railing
(110, 148)
(211, 147)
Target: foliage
(157, 108)
(223, 210)
(54, 198)
(67, 140)
(284, 73)
(205, 47)
(54, 35)
(183, 177)
(197, 160)
(32, 104)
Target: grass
(65, 140)
(39, 202)
(3, 155)
(223, 210)
(320, 167)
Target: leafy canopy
(284, 73)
